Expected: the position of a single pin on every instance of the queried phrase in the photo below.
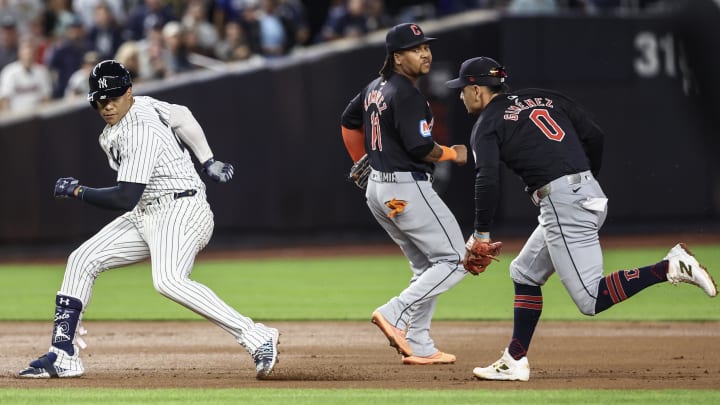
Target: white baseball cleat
(55, 364)
(505, 369)
(684, 268)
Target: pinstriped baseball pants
(171, 233)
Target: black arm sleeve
(122, 197)
(421, 151)
(352, 116)
(590, 134)
(487, 191)
(593, 146)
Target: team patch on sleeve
(425, 129)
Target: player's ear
(396, 58)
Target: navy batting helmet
(108, 79)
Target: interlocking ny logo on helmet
(108, 79)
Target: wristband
(79, 192)
(447, 154)
(481, 235)
(208, 163)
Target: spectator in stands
(145, 15)
(376, 15)
(233, 46)
(78, 86)
(104, 35)
(36, 31)
(8, 40)
(230, 10)
(201, 34)
(273, 37)
(24, 84)
(22, 12)
(85, 9)
(346, 20)
(129, 55)
(420, 11)
(66, 56)
(175, 52)
(151, 54)
(295, 20)
(533, 6)
(56, 17)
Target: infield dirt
(588, 354)
(592, 354)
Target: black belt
(420, 176)
(186, 193)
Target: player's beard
(425, 68)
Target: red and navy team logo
(416, 30)
(425, 128)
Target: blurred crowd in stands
(47, 47)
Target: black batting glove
(65, 187)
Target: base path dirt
(197, 354)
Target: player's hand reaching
(461, 151)
(218, 171)
(65, 187)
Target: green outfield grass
(370, 397)
(347, 289)
(344, 289)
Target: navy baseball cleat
(55, 364)
(684, 268)
(266, 356)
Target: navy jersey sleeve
(486, 151)
(352, 117)
(414, 122)
(590, 134)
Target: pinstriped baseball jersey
(142, 148)
(166, 218)
(166, 225)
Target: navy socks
(623, 284)
(528, 307)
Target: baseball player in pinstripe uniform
(167, 219)
(553, 144)
(391, 120)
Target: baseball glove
(479, 254)
(360, 171)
